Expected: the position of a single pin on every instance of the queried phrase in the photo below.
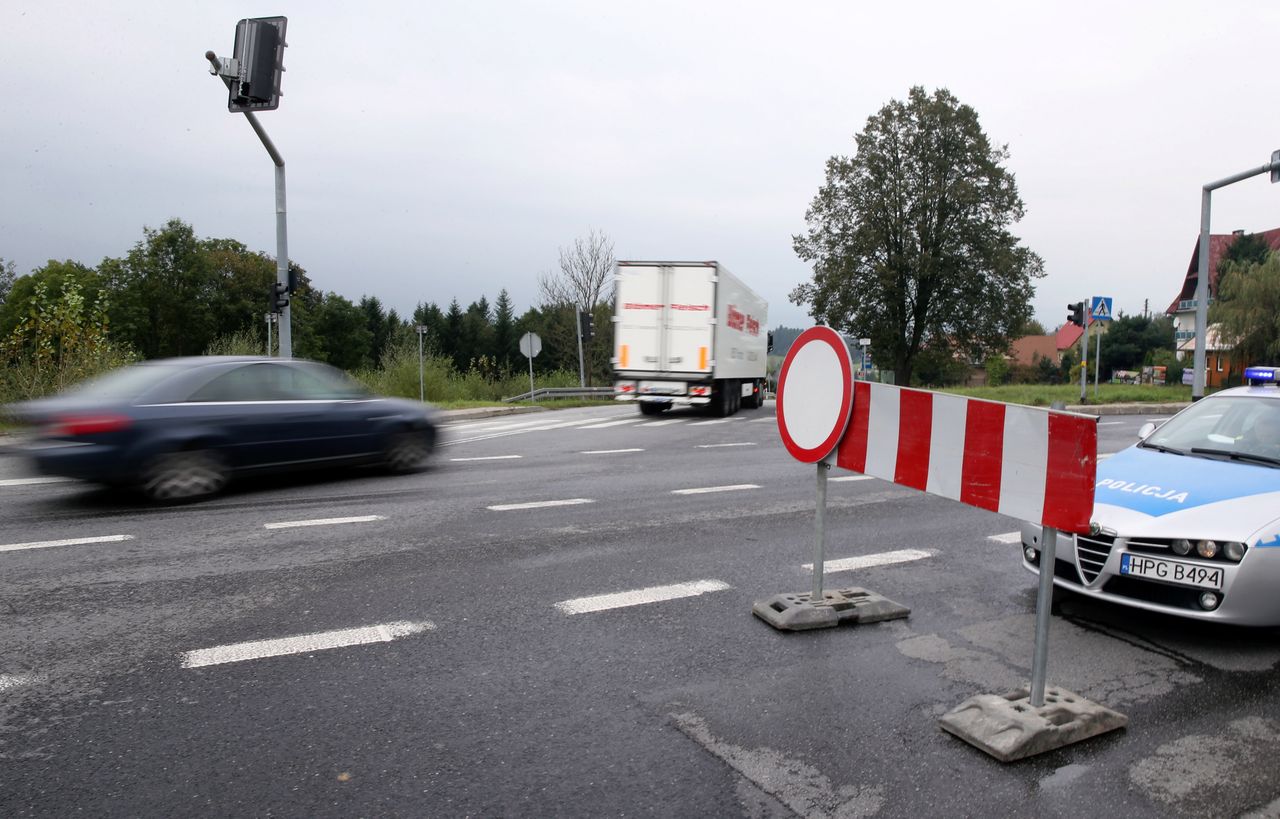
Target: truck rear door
(664, 318)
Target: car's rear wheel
(408, 451)
(185, 475)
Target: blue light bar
(1262, 375)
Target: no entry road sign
(815, 391)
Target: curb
(1128, 409)
(484, 412)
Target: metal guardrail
(561, 392)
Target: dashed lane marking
(303, 643)
(850, 564)
(1007, 537)
(706, 490)
(294, 524)
(848, 478)
(667, 422)
(718, 446)
(610, 451)
(489, 458)
(510, 507)
(77, 541)
(612, 423)
(715, 421)
(639, 597)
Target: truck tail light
(699, 390)
(75, 425)
(625, 387)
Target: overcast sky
(448, 150)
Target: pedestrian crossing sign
(1100, 309)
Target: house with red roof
(1218, 359)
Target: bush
(997, 370)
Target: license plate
(1171, 571)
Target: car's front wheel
(185, 475)
(408, 451)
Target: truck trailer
(688, 333)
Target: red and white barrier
(1029, 463)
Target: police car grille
(1092, 552)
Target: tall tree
(504, 331)
(8, 273)
(910, 240)
(53, 276)
(1246, 309)
(585, 277)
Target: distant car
(1186, 521)
(180, 428)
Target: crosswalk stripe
(639, 597)
(849, 564)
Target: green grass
(1043, 395)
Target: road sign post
(530, 346)
(818, 375)
(1099, 310)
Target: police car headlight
(1207, 549)
(1182, 546)
(1209, 601)
(1234, 550)
(1031, 554)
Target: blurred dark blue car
(180, 428)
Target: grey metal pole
(422, 395)
(269, 334)
(1097, 344)
(1084, 361)
(582, 377)
(1199, 359)
(1044, 602)
(820, 534)
(530, 379)
(282, 240)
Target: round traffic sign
(530, 345)
(815, 392)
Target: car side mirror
(1146, 430)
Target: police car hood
(1156, 494)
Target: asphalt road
(556, 620)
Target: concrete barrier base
(842, 607)
(1008, 727)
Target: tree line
(175, 294)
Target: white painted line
(489, 458)
(709, 489)
(612, 423)
(508, 507)
(639, 597)
(294, 524)
(849, 564)
(1110, 423)
(1102, 456)
(77, 541)
(32, 481)
(303, 643)
(1007, 537)
(716, 421)
(664, 423)
(609, 451)
(847, 478)
(717, 446)
(763, 421)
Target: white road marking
(612, 423)
(716, 421)
(293, 524)
(664, 423)
(717, 446)
(303, 643)
(639, 597)
(508, 507)
(705, 490)
(1102, 456)
(850, 564)
(77, 541)
(1007, 537)
(609, 451)
(489, 458)
(847, 478)
(31, 481)
(1110, 423)
(762, 420)
(503, 434)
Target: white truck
(688, 333)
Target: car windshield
(1238, 427)
(126, 383)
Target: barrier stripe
(983, 450)
(915, 427)
(946, 458)
(1071, 441)
(1024, 460)
(852, 452)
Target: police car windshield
(1240, 427)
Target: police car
(1187, 521)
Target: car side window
(252, 382)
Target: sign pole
(1097, 343)
(1084, 362)
(820, 533)
(1044, 602)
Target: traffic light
(259, 58)
(588, 324)
(279, 297)
(1076, 316)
